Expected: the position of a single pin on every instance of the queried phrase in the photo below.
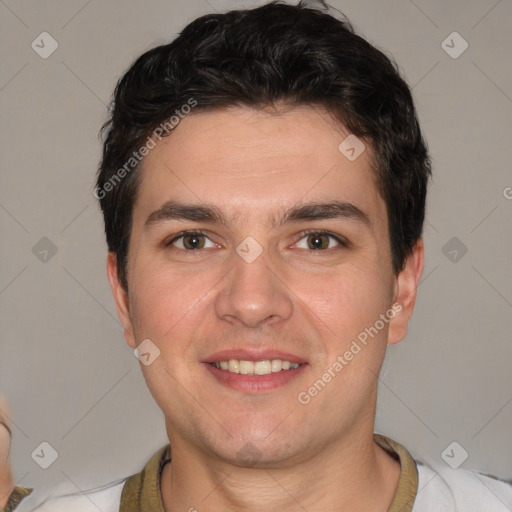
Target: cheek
(347, 301)
(165, 302)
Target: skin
(6, 478)
(312, 303)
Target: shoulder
(106, 499)
(448, 490)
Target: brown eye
(320, 241)
(192, 241)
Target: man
(263, 188)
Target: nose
(253, 293)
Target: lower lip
(255, 383)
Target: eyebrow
(174, 210)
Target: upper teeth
(255, 368)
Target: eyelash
(341, 240)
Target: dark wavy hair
(276, 53)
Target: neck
(352, 474)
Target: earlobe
(406, 286)
(120, 299)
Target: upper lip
(252, 354)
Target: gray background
(71, 379)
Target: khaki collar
(407, 488)
(141, 492)
(17, 494)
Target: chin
(263, 446)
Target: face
(231, 266)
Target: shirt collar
(407, 488)
(17, 494)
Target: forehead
(247, 160)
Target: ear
(121, 299)
(404, 297)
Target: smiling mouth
(265, 367)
